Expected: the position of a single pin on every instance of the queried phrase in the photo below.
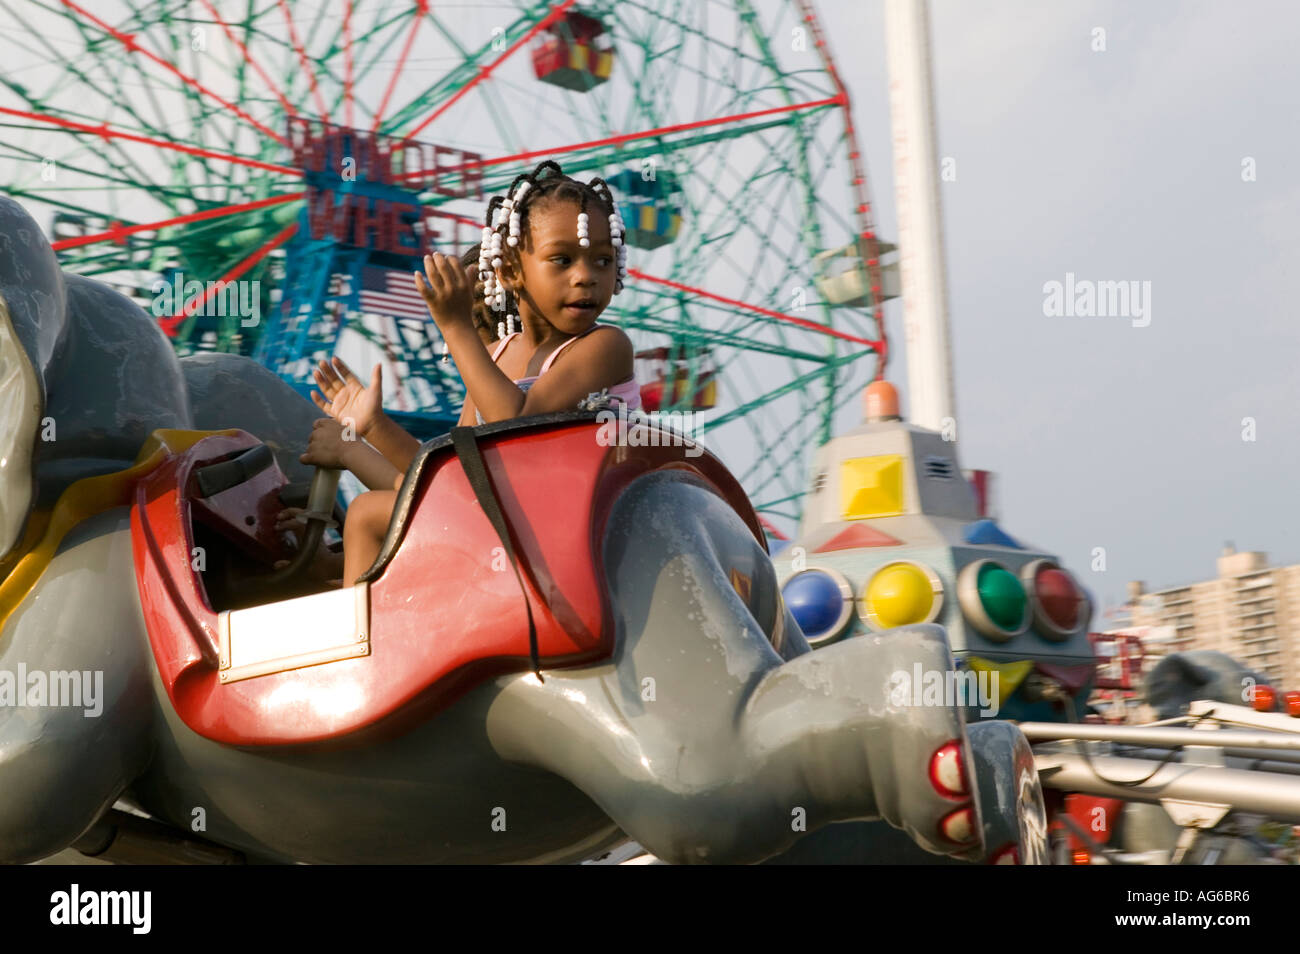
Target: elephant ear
(33, 329)
(22, 401)
(1173, 683)
(1191, 673)
(230, 390)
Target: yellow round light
(899, 594)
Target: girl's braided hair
(484, 320)
(505, 223)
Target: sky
(1123, 164)
(1153, 143)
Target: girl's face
(563, 283)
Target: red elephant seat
(439, 612)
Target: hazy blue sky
(1117, 165)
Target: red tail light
(1292, 703)
(948, 771)
(1264, 698)
(1081, 858)
(1008, 855)
(959, 826)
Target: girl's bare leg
(364, 530)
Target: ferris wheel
(191, 141)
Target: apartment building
(1250, 610)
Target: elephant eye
(777, 635)
(764, 602)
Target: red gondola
(575, 53)
(656, 376)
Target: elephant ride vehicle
(566, 641)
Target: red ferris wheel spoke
(757, 309)
(169, 325)
(302, 59)
(486, 71)
(624, 137)
(636, 273)
(104, 131)
(129, 41)
(347, 64)
(859, 182)
(421, 8)
(771, 529)
(257, 67)
(120, 232)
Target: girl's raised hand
(448, 290)
(345, 397)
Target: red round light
(959, 827)
(1059, 597)
(1292, 699)
(948, 772)
(1009, 855)
(1264, 699)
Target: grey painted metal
(1234, 716)
(1276, 796)
(1233, 758)
(1254, 755)
(1172, 737)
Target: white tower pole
(920, 220)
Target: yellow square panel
(871, 487)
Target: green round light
(1002, 595)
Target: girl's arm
(449, 293)
(495, 396)
(597, 360)
(328, 446)
(387, 437)
(371, 468)
(345, 398)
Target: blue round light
(817, 602)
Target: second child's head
(551, 275)
(485, 320)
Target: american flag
(390, 291)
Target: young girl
(541, 247)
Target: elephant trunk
(815, 740)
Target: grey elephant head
(714, 734)
(1182, 678)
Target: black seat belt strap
(464, 441)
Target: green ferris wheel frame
(163, 125)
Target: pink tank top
(627, 392)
